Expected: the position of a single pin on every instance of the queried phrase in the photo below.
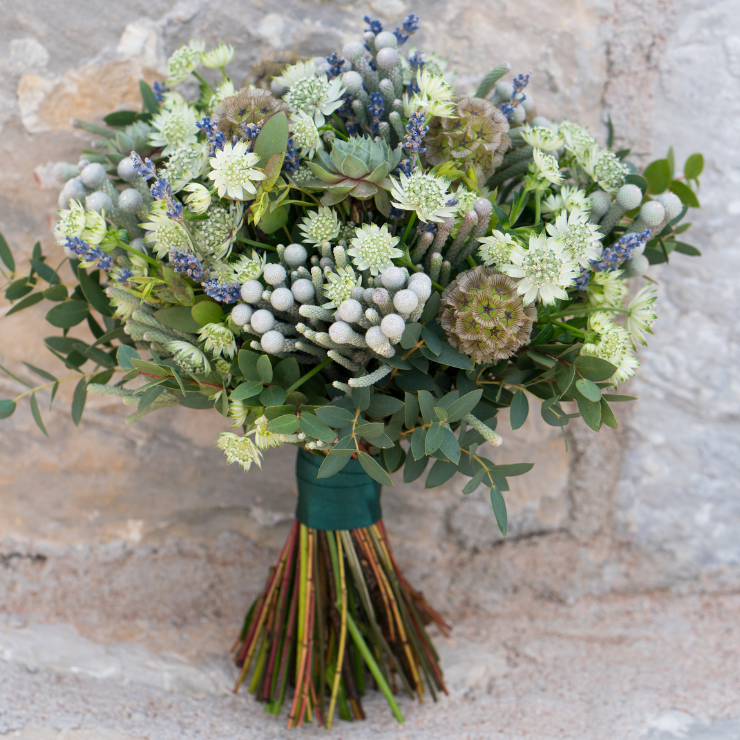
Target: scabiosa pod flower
(580, 237)
(219, 339)
(184, 62)
(233, 171)
(340, 286)
(316, 96)
(424, 193)
(496, 249)
(374, 248)
(545, 170)
(218, 57)
(305, 135)
(320, 226)
(613, 345)
(640, 314)
(239, 450)
(174, 126)
(545, 269)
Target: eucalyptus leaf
(414, 468)
(373, 469)
(519, 410)
(78, 401)
(499, 509)
(314, 427)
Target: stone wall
(98, 518)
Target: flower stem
(309, 374)
(570, 328)
(408, 227)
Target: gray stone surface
(141, 536)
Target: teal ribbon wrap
(350, 499)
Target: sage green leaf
(594, 368)
(434, 438)
(56, 293)
(121, 118)
(617, 398)
(411, 335)
(685, 193)
(426, 403)
(414, 381)
(681, 247)
(499, 509)
(78, 401)
(45, 272)
(474, 482)
(590, 411)
(314, 427)
(37, 414)
(151, 394)
(150, 100)
(431, 340)
(382, 405)
(519, 410)
(246, 390)
(30, 300)
(273, 396)
(607, 415)
(411, 410)
(151, 369)
(66, 315)
(414, 468)
(287, 372)
(332, 464)
(512, 470)
(373, 469)
(450, 356)
(693, 167)
(589, 389)
(369, 429)
(178, 317)
(7, 407)
(248, 364)
(264, 369)
(206, 312)
(286, 424)
(418, 440)
(125, 354)
(42, 373)
(431, 308)
(95, 295)
(440, 473)
(441, 413)
(565, 378)
(361, 397)
(658, 175)
(542, 359)
(393, 457)
(272, 138)
(450, 446)
(272, 412)
(6, 255)
(639, 180)
(463, 406)
(334, 416)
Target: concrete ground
(653, 666)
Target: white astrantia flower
(434, 96)
(541, 137)
(219, 339)
(165, 235)
(640, 314)
(604, 167)
(580, 237)
(465, 202)
(374, 248)
(545, 269)
(424, 193)
(225, 90)
(248, 268)
(320, 226)
(305, 135)
(317, 97)
(95, 228)
(184, 164)
(239, 450)
(545, 168)
(496, 249)
(263, 437)
(613, 345)
(233, 171)
(189, 355)
(199, 199)
(72, 222)
(173, 127)
(340, 287)
(215, 235)
(606, 289)
(238, 411)
(569, 198)
(576, 138)
(184, 61)
(296, 72)
(218, 57)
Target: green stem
(331, 128)
(537, 199)
(591, 309)
(63, 380)
(408, 228)
(202, 81)
(310, 374)
(373, 666)
(571, 329)
(261, 245)
(146, 257)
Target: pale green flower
(72, 222)
(315, 96)
(545, 169)
(340, 287)
(434, 96)
(218, 57)
(95, 228)
(166, 234)
(238, 411)
(233, 171)
(545, 268)
(174, 127)
(225, 90)
(184, 163)
(613, 345)
(640, 314)
(605, 168)
(184, 62)
(296, 72)
(199, 199)
(569, 198)
(248, 268)
(188, 356)
(581, 238)
(374, 248)
(305, 134)
(606, 289)
(320, 226)
(575, 138)
(424, 193)
(240, 450)
(541, 137)
(216, 234)
(263, 437)
(219, 339)
(496, 249)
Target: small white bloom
(374, 248)
(315, 96)
(496, 249)
(576, 139)
(184, 163)
(434, 95)
(184, 62)
(199, 198)
(320, 226)
(605, 168)
(218, 57)
(305, 134)
(581, 238)
(233, 171)
(174, 127)
(263, 437)
(424, 193)
(542, 138)
(239, 450)
(545, 168)
(189, 355)
(641, 316)
(545, 269)
(606, 289)
(296, 72)
(219, 339)
(72, 222)
(248, 268)
(238, 411)
(569, 198)
(95, 228)
(340, 287)
(166, 234)
(612, 345)
(225, 90)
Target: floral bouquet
(347, 256)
